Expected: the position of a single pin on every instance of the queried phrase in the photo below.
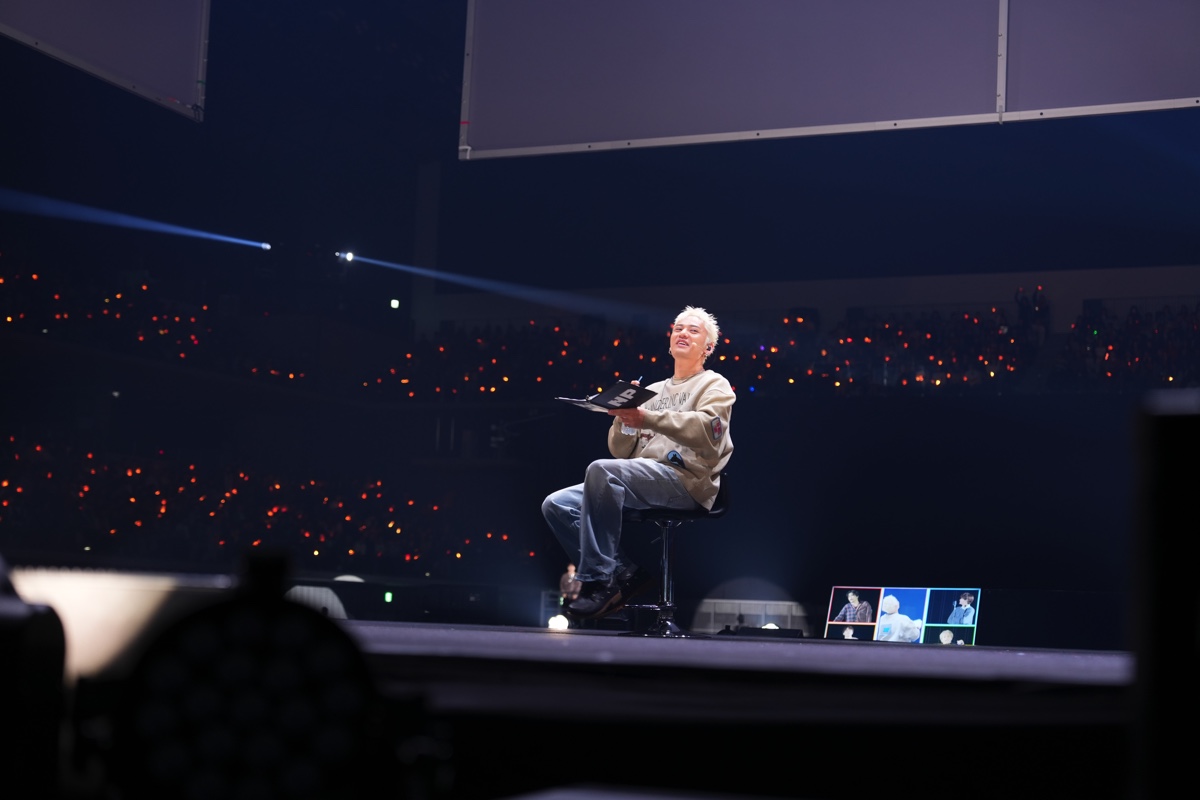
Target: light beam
(23, 203)
(566, 301)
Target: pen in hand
(625, 427)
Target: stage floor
(535, 710)
(741, 678)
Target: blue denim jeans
(586, 518)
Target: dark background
(333, 126)
(319, 117)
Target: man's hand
(633, 417)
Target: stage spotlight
(106, 614)
(558, 623)
(266, 246)
(347, 256)
(395, 303)
(255, 695)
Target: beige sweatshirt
(686, 426)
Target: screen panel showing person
(954, 635)
(901, 614)
(912, 614)
(851, 613)
(954, 606)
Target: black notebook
(622, 394)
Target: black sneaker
(633, 582)
(596, 599)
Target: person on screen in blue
(894, 626)
(668, 453)
(856, 610)
(964, 612)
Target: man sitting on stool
(667, 453)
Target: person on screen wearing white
(667, 453)
(894, 626)
(964, 612)
(947, 637)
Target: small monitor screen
(905, 614)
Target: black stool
(668, 520)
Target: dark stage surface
(530, 709)
(739, 678)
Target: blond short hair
(712, 331)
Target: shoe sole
(618, 600)
(621, 598)
(614, 604)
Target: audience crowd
(1135, 351)
(867, 351)
(70, 507)
(152, 508)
